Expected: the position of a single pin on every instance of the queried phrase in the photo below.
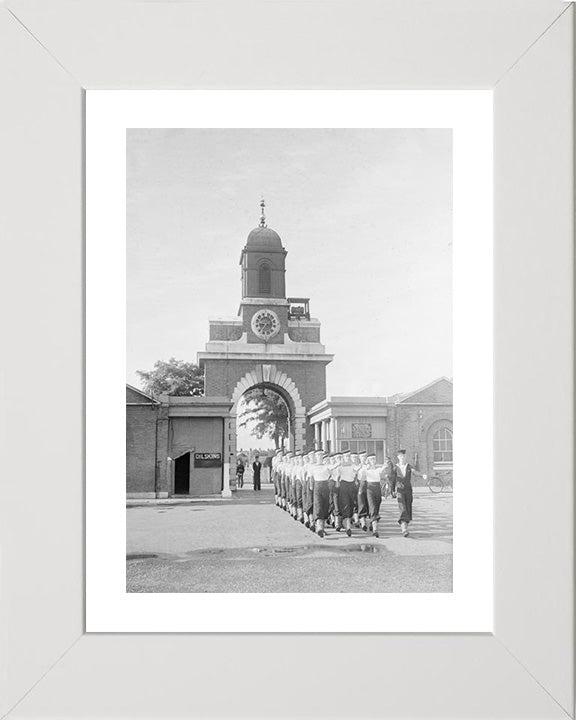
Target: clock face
(265, 324)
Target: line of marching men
(340, 489)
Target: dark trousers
(405, 506)
(299, 494)
(321, 500)
(334, 498)
(347, 498)
(307, 498)
(257, 482)
(374, 496)
(362, 500)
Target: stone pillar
(332, 423)
(164, 468)
(228, 453)
(226, 491)
(317, 437)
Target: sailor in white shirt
(293, 475)
(355, 460)
(362, 497)
(284, 466)
(276, 476)
(288, 480)
(335, 516)
(321, 473)
(371, 475)
(307, 491)
(298, 474)
(347, 490)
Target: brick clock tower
(273, 343)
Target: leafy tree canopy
(174, 377)
(267, 414)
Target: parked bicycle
(439, 482)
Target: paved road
(247, 544)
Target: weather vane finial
(262, 213)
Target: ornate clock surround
(265, 324)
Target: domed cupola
(263, 262)
(263, 238)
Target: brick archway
(270, 376)
(267, 376)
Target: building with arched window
(419, 422)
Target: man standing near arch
(256, 470)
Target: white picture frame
(54, 50)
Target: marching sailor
(402, 489)
(283, 477)
(298, 473)
(292, 485)
(372, 476)
(288, 480)
(276, 460)
(362, 497)
(307, 491)
(321, 473)
(335, 515)
(347, 491)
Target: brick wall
(228, 333)
(302, 333)
(198, 435)
(309, 377)
(412, 427)
(141, 448)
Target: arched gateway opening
(268, 379)
(264, 423)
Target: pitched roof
(439, 391)
(135, 396)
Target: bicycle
(439, 482)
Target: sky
(366, 218)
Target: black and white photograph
(289, 361)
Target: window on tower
(265, 279)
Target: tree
(175, 377)
(269, 415)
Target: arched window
(264, 279)
(442, 445)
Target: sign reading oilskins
(207, 460)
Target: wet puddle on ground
(262, 551)
(308, 549)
